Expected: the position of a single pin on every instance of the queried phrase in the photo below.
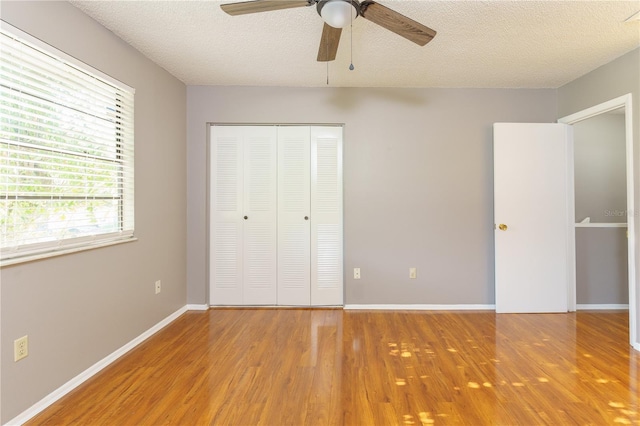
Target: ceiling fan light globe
(338, 13)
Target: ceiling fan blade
(329, 43)
(255, 6)
(396, 22)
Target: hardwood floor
(317, 367)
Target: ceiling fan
(336, 15)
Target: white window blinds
(66, 152)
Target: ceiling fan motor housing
(339, 19)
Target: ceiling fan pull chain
(327, 49)
(351, 67)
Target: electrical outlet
(20, 348)
(413, 273)
(158, 286)
(356, 273)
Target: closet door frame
(327, 296)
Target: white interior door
(326, 216)
(294, 209)
(259, 215)
(226, 211)
(534, 217)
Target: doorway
(600, 212)
(622, 103)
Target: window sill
(62, 252)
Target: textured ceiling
(537, 44)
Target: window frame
(126, 200)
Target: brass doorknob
(502, 227)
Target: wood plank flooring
(335, 367)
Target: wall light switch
(356, 273)
(413, 273)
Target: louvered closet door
(226, 224)
(294, 209)
(326, 216)
(260, 215)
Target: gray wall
(600, 169)
(614, 79)
(601, 266)
(79, 308)
(418, 181)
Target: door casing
(625, 102)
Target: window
(66, 152)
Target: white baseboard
(602, 307)
(91, 371)
(197, 307)
(416, 307)
(276, 306)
